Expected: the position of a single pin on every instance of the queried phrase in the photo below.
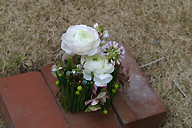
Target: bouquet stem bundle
(73, 102)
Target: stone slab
(82, 119)
(139, 107)
(27, 102)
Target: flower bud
(79, 88)
(77, 92)
(57, 83)
(116, 85)
(105, 111)
(113, 90)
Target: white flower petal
(106, 78)
(86, 75)
(54, 70)
(82, 60)
(100, 68)
(65, 56)
(65, 48)
(103, 100)
(93, 63)
(107, 68)
(99, 83)
(92, 51)
(102, 80)
(94, 102)
(81, 40)
(95, 25)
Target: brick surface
(139, 107)
(82, 119)
(27, 102)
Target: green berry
(79, 88)
(60, 74)
(77, 92)
(105, 111)
(113, 90)
(116, 85)
(57, 82)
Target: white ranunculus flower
(81, 40)
(100, 68)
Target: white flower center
(83, 34)
(95, 59)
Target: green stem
(112, 97)
(71, 98)
(69, 61)
(109, 86)
(57, 75)
(66, 90)
(66, 93)
(109, 90)
(90, 89)
(63, 93)
(78, 101)
(78, 97)
(74, 107)
(60, 98)
(68, 75)
(84, 90)
(115, 73)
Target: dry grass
(151, 29)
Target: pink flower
(94, 89)
(113, 52)
(102, 96)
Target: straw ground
(30, 33)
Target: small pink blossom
(94, 88)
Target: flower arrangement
(87, 76)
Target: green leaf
(53, 72)
(88, 110)
(20, 58)
(95, 107)
(101, 94)
(63, 80)
(103, 90)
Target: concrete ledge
(26, 102)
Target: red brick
(27, 102)
(139, 107)
(82, 119)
